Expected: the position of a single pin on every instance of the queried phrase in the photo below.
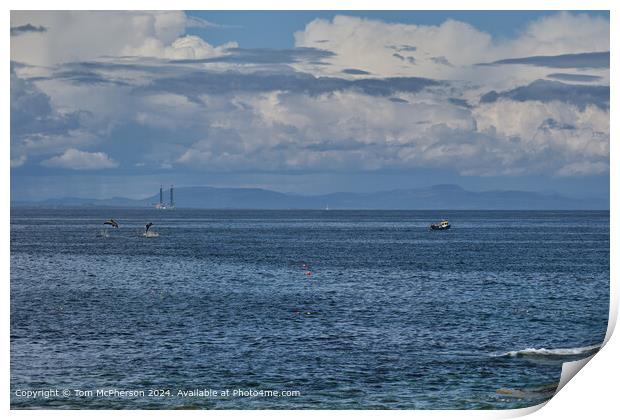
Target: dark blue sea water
(392, 315)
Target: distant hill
(440, 197)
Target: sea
(251, 309)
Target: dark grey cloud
(266, 56)
(547, 91)
(199, 82)
(28, 104)
(86, 77)
(23, 29)
(592, 60)
(459, 102)
(410, 59)
(441, 60)
(155, 67)
(354, 71)
(186, 80)
(35, 123)
(103, 72)
(403, 47)
(551, 124)
(574, 77)
(32, 112)
(399, 100)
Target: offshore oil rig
(162, 205)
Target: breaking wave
(552, 353)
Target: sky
(115, 103)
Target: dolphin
(111, 222)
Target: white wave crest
(543, 352)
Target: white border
(447, 5)
(593, 393)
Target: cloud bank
(77, 159)
(133, 92)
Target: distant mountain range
(438, 197)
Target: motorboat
(443, 225)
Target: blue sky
(114, 103)
(274, 29)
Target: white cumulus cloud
(77, 36)
(79, 160)
(448, 50)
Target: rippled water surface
(387, 315)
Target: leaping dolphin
(111, 222)
(148, 226)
